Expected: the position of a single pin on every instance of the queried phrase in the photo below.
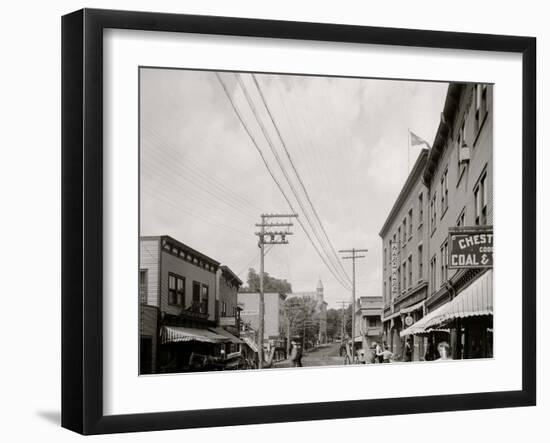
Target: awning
(177, 334)
(251, 343)
(475, 300)
(421, 325)
(358, 339)
(227, 334)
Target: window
(224, 309)
(444, 193)
(410, 267)
(399, 234)
(433, 265)
(420, 263)
(204, 299)
(444, 263)
(385, 291)
(480, 197)
(404, 231)
(480, 103)
(373, 323)
(433, 212)
(384, 260)
(461, 218)
(196, 297)
(176, 290)
(420, 208)
(460, 140)
(404, 286)
(398, 280)
(410, 222)
(143, 285)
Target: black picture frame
(82, 219)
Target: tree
(271, 284)
(302, 319)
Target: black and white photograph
(291, 221)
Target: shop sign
(470, 247)
(394, 250)
(409, 320)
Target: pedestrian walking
(296, 354)
(407, 354)
(387, 355)
(379, 351)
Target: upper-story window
(433, 268)
(224, 309)
(444, 192)
(443, 262)
(176, 290)
(410, 268)
(204, 299)
(461, 218)
(384, 259)
(404, 231)
(420, 263)
(460, 140)
(420, 208)
(399, 233)
(480, 105)
(410, 222)
(480, 197)
(433, 212)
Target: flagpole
(408, 150)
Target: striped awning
(251, 343)
(231, 338)
(177, 334)
(475, 300)
(421, 326)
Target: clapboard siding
(149, 260)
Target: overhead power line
(322, 243)
(253, 139)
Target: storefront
(466, 321)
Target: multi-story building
(368, 320)
(180, 290)
(404, 239)
(273, 313)
(457, 176)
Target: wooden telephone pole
(354, 256)
(268, 236)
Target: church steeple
(320, 291)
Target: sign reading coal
(471, 247)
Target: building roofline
(445, 125)
(187, 249)
(225, 269)
(414, 175)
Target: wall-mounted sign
(470, 247)
(394, 251)
(409, 320)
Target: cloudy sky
(204, 181)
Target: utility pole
(343, 333)
(354, 256)
(268, 236)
